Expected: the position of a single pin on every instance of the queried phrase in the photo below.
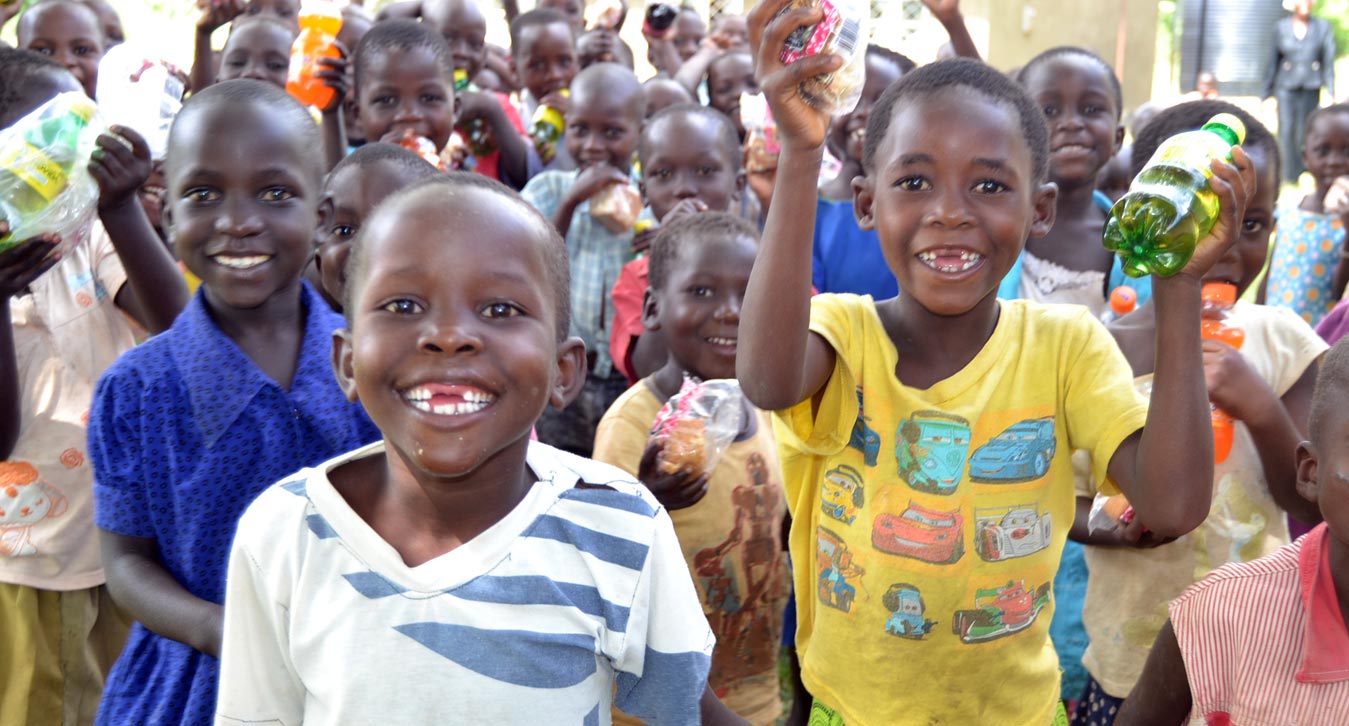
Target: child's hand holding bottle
(801, 126)
(120, 166)
(1233, 183)
(333, 74)
(25, 262)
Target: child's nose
(448, 333)
(948, 208)
(237, 219)
(729, 309)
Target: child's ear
(571, 373)
(1045, 202)
(1119, 138)
(344, 367)
(1307, 486)
(650, 312)
(863, 196)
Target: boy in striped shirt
(455, 570)
(1265, 642)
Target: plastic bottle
(320, 22)
(40, 156)
(1170, 207)
(1219, 298)
(1123, 300)
(423, 147)
(139, 92)
(474, 131)
(659, 18)
(546, 128)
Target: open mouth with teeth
(1072, 149)
(240, 262)
(448, 399)
(950, 260)
(722, 342)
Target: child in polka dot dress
(1310, 238)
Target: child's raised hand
(684, 208)
(800, 125)
(594, 178)
(22, 264)
(216, 13)
(120, 165)
(943, 10)
(1233, 385)
(333, 73)
(673, 491)
(559, 101)
(1233, 183)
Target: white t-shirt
(577, 597)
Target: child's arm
(147, 592)
(514, 164)
(214, 15)
(19, 266)
(780, 362)
(590, 180)
(691, 73)
(1276, 425)
(947, 12)
(155, 291)
(1162, 695)
(334, 76)
(1166, 470)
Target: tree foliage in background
(1336, 12)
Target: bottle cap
(1231, 122)
(1223, 293)
(1123, 300)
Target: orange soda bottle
(1123, 300)
(1219, 298)
(320, 22)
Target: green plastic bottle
(1170, 207)
(36, 163)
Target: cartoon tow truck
(835, 565)
(841, 493)
(999, 612)
(921, 533)
(1004, 533)
(1022, 452)
(931, 448)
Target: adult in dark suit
(1303, 63)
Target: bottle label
(36, 169)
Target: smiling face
(259, 50)
(953, 198)
(602, 125)
(848, 133)
(242, 191)
(464, 28)
(1325, 151)
(406, 90)
(698, 308)
(686, 157)
(348, 199)
(1079, 107)
(728, 77)
(453, 347)
(70, 33)
(1243, 261)
(546, 58)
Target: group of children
(387, 456)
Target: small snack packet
(616, 207)
(697, 424)
(844, 32)
(1109, 512)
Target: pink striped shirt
(1265, 643)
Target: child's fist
(215, 13)
(120, 165)
(22, 264)
(594, 178)
(1232, 384)
(674, 491)
(801, 126)
(333, 73)
(1233, 183)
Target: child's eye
(613, 134)
(43, 51)
(430, 98)
(913, 184)
(402, 307)
(344, 231)
(658, 173)
(277, 194)
(989, 186)
(706, 170)
(383, 100)
(277, 65)
(1092, 110)
(1050, 111)
(501, 310)
(83, 50)
(1252, 226)
(700, 291)
(201, 194)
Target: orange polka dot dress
(1302, 270)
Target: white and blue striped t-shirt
(578, 596)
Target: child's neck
(839, 189)
(934, 347)
(270, 334)
(1074, 240)
(1339, 573)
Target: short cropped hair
(556, 259)
(20, 69)
(536, 18)
(1193, 115)
(1324, 111)
(401, 35)
(282, 108)
(403, 158)
(937, 78)
(727, 137)
(1023, 75)
(1332, 381)
(692, 229)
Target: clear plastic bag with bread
(617, 207)
(845, 32)
(697, 424)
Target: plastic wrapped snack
(45, 185)
(761, 133)
(844, 32)
(697, 424)
(1109, 512)
(616, 207)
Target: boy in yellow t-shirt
(925, 597)
(729, 522)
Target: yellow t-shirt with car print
(928, 524)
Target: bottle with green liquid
(1170, 207)
(38, 156)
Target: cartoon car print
(906, 607)
(1001, 534)
(921, 533)
(841, 493)
(931, 447)
(864, 439)
(1022, 452)
(999, 612)
(835, 566)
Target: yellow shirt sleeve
(620, 438)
